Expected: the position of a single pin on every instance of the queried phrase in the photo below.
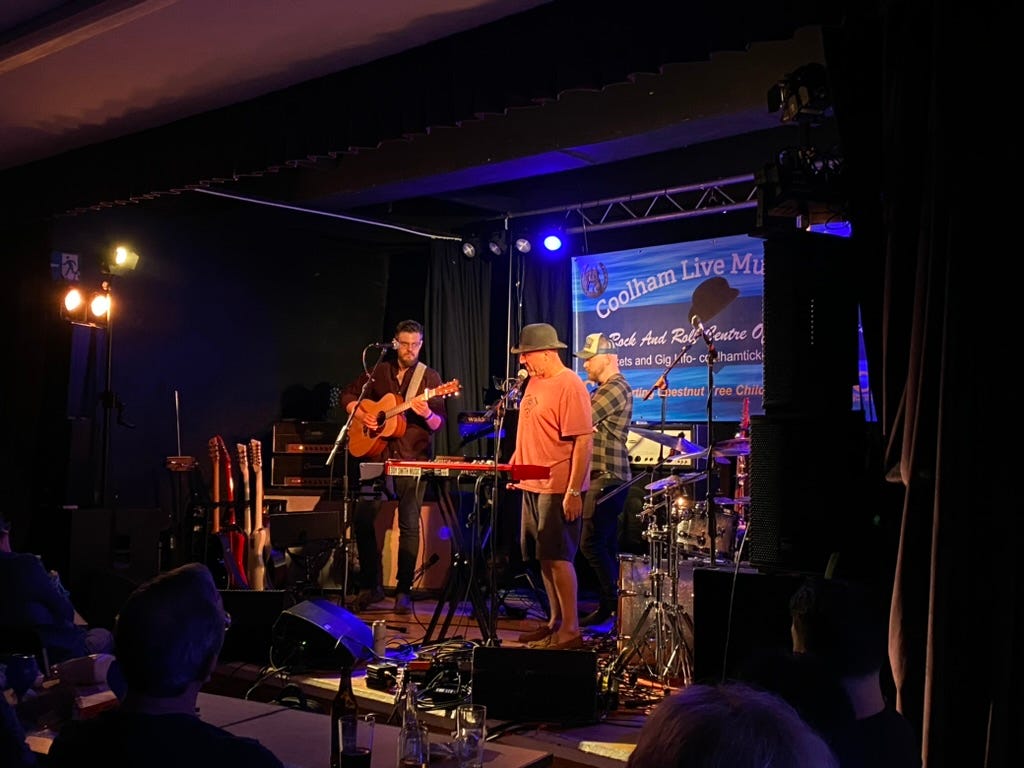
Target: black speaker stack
(806, 451)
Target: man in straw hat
(555, 431)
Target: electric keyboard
(442, 467)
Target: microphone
(696, 323)
(431, 561)
(384, 344)
(521, 377)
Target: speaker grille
(805, 476)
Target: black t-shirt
(119, 739)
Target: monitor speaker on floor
(318, 634)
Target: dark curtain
(913, 145)
(457, 323)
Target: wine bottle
(344, 717)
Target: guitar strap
(415, 381)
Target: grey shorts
(546, 529)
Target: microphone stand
(499, 409)
(709, 496)
(345, 521)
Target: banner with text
(643, 300)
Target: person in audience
(167, 637)
(612, 408)
(811, 688)
(840, 623)
(732, 724)
(14, 749)
(34, 598)
(555, 431)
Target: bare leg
(550, 587)
(562, 576)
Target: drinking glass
(470, 734)
(357, 743)
(414, 746)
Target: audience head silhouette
(169, 633)
(728, 726)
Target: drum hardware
(658, 638)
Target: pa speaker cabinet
(535, 684)
(253, 614)
(317, 634)
(805, 472)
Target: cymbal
(680, 446)
(726, 501)
(672, 481)
(737, 446)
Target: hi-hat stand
(663, 625)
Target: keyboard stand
(461, 583)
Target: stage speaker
(804, 478)
(317, 634)
(253, 614)
(517, 683)
(809, 310)
(738, 615)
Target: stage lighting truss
(734, 193)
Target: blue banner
(643, 299)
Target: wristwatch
(573, 492)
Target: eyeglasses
(410, 344)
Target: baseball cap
(596, 344)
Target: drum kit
(676, 530)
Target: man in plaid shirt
(612, 408)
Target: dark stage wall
(249, 314)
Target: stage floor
(438, 640)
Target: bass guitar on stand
(226, 527)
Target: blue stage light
(552, 242)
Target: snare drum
(692, 532)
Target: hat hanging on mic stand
(709, 298)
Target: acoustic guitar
(363, 441)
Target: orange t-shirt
(551, 412)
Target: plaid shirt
(612, 407)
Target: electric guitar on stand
(227, 528)
(259, 534)
(363, 441)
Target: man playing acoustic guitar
(403, 379)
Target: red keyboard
(444, 468)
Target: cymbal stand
(662, 620)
